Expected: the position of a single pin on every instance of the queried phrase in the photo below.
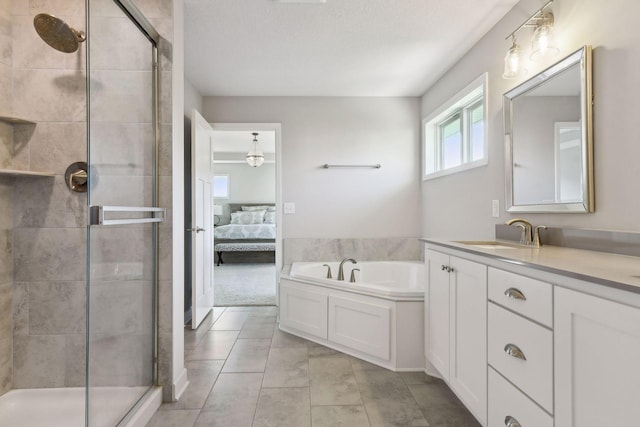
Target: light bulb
(513, 62)
(543, 43)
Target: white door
(597, 349)
(201, 218)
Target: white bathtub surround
(65, 407)
(388, 248)
(379, 318)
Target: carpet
(244, 284)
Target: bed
(246, 227)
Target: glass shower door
(122, 198)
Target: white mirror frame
(582, 56)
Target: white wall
(247, 184)
(459, 206)
(352, 203)
(192, 99)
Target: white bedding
(248, 231)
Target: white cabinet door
(360, 325)
(303, 310)
(468, 334)
(437, 312)
(597, 351)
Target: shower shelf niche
(15, 172)
(16, 120)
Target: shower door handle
(98, 215)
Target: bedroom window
(455, 135)
(221, 186)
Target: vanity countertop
(618, 271)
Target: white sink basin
(489, 244)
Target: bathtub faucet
(340, 269)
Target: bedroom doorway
(247, 217)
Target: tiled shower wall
(6, 197)
(49, 247)
(160, 14)
(43, 224)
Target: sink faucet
(340, 268)
(526, 238)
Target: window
(221, 186)
(454, 136)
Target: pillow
(267, 208)
(253, 217)
(270, 218)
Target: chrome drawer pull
(509, 421)
(515, 294)
(514, 351)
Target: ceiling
(337, 48)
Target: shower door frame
(96, 215)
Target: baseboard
(179, 385)
(147, 407)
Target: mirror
(549, 139)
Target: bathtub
(396, 280)
(379, 318)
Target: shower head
(57, 34)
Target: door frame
(267, 127)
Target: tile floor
(243, 371)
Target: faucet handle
(536, 241)
(353, 275)
(328, 270)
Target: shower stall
(109, 359)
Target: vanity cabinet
(456, 318)
(597, 361)
(561, 350)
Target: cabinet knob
(514, 351)
(509, 421)
(515, 294)
(444, 267)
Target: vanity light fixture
(255, 158)
(543, 42)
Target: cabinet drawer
(532, 372)
(528, 297)
(506, 401)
